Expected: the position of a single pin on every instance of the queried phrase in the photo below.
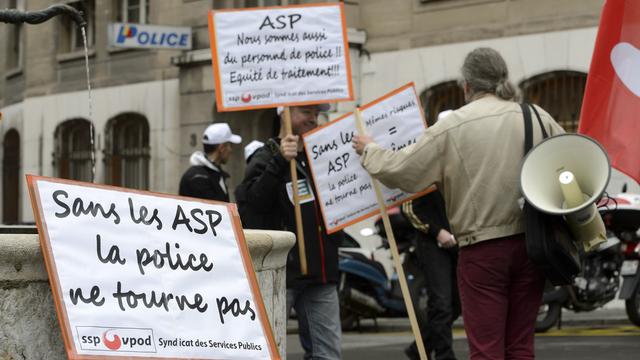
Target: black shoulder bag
(550, 244)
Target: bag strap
(528, 128)
(544, 131)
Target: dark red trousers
(501, 292)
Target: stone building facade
(149, 107)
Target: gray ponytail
(485, 71)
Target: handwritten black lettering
(113, 256)
(224, 307)
(281, 21)
(282, 38)
(402, 107)
(230, 59)
(94, 295)
(346, 138)
(162, 301)
(78, 208)
(375, 118)
(243, 39)
(298, 72)
(316, 36)
(181, 219)
(347, 179)
(319, 53)
(174, 261)
(240, 77)
(338, 163)
(143, 212)
(256, 59)
(340, 197)
(318, 150)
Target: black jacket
(427, 213)
(264, 203)
(201, 181)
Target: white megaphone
(565, 175)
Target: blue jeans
(318, 311)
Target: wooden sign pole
(396, 255)
(296, 198)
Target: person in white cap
(250, 149)
(265, 202)
(205, 178)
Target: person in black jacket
(205, 178)
(438, 264)
(265, 201)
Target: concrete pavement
(602, 334)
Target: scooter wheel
(548, 316)
(632, 305)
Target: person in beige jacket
(474, 158)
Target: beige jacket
(474, 157)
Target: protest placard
(344, 187)
(280, 56)
(145, 275)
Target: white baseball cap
(321, 107)
(219, 133)
(251, 148)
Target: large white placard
(267, 57)
(343, 185)
(136, 274)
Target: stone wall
(28, 324)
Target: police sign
(139, 36)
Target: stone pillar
(28, 323)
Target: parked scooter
(366, 291)
(603, 269)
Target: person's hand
(360, 142)
(289, 147)
(446, 239)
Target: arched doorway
(560, 93)
(444, 96)
(127, 152)
(11, 177)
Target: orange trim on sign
(388, 95)
(253, 282)
(216, 68)
(313, 172)
(56, 288)
(333, 229)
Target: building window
(127, 151)
(72, 158)
(230, 4)
(559, 93)
(11, 177)
(71, 39)
(133, 11)
(441, 97)
(262, 3)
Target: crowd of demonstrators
(205, 178)
(265, 201)
(474, 159)
(437, 258)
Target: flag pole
(296, 197)
(404, 287)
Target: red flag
(611, 106)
